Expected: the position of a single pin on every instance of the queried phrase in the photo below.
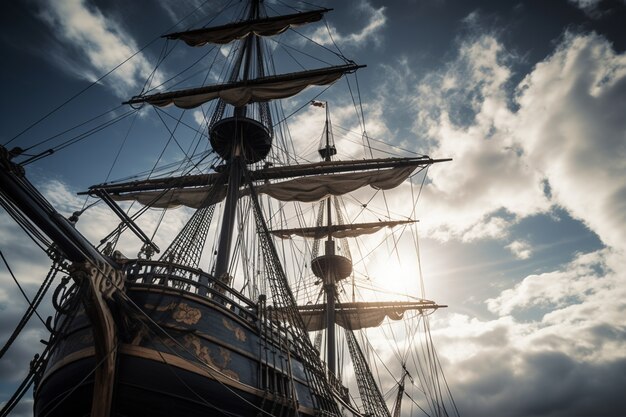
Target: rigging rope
(32, 306)
(362, 114)
(50, 113)
(74, 127)
(285, 300)
(24, 223)
(379, 141)
(36, 365)
(20, 288)
(98, 81)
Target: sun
(389, 279)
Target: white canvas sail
(338, 231)
(191, 197)
(360, 315)
(269, 26)
(305, 189)
(240, 93)
(315, 188)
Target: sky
(522, 234)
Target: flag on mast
(318, 103)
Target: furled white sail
(355, 320)
(314, 188)
(190, 197)
(304, 189)
(338, 231)
(264, 174)
(357, 316)
(240, 93)
(262, 27)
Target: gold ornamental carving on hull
(181, 312)
(238, 331)
(204, 354)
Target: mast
(329, 284)
(100, 275)
(241, 134)
(329, 266)
(236, 131)
(228, 221)
(397, 409)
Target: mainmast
(239, 139)
(241, 127)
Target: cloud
(561, 129)
(520, 248)
(595, 8)
(586, 4)
(200, 118)
(369, 33)
(464, 113)
(555, 344)
(177, 9)
(554, 289)
(571, 126)
(555, 348)
(93, 44)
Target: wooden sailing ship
(157, 335)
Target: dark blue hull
(183, 351)
(148, 388)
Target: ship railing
(192, 281)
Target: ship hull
(148, 387)
(182, 351)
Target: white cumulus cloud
(94, 44)
(369, 33)
(572, 129)
(556, 344)
(520, 248)
(464, 112)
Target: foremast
(99, 275)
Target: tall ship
(261, 303)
